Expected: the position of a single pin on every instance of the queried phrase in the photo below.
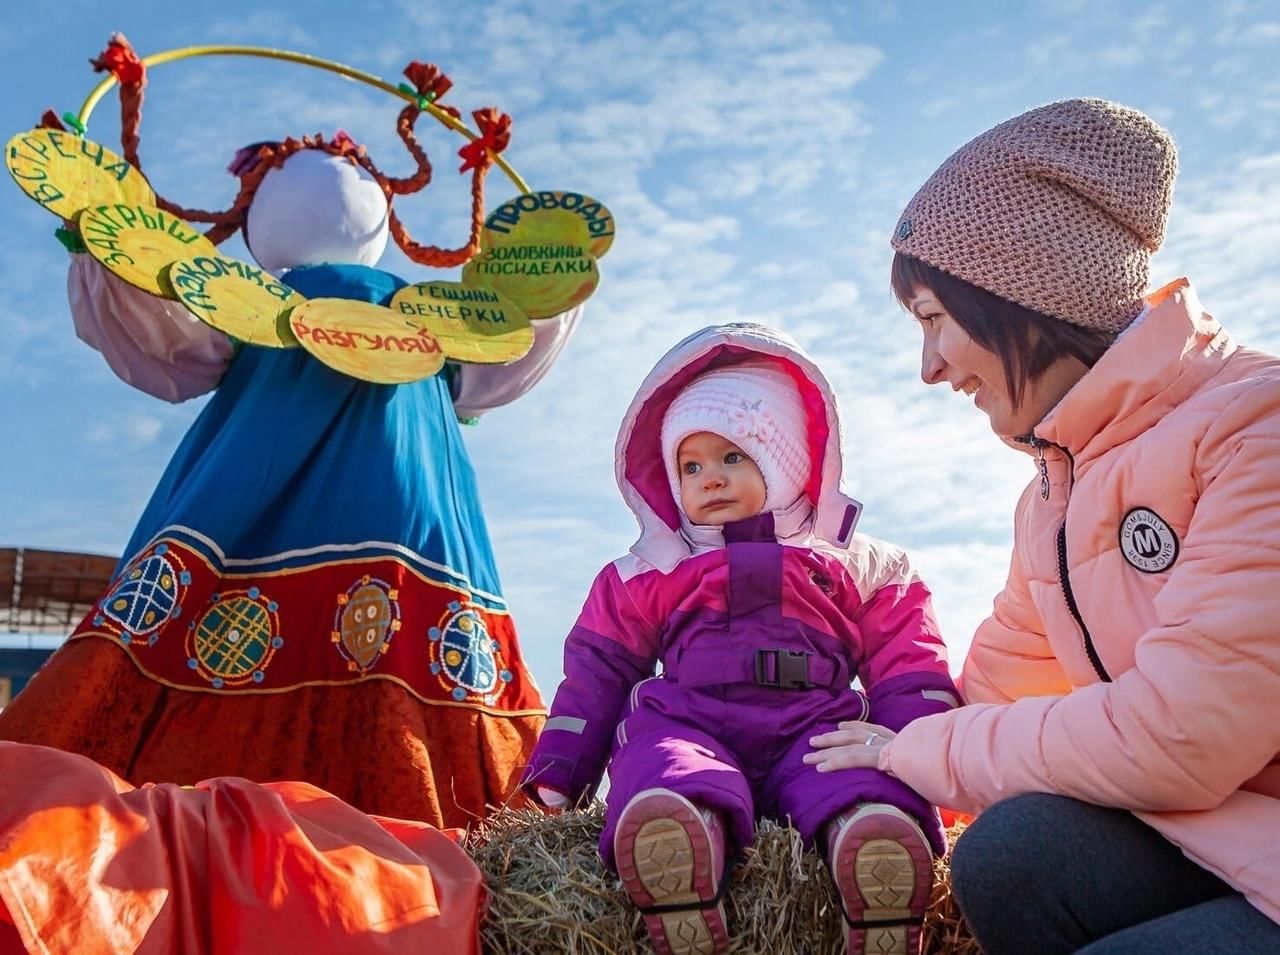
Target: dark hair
(1027, 341)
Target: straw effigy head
(549, 892)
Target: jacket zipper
(1064, 577)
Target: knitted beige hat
(1058, 210)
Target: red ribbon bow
(121, 61)
(430, 82)
(427, 79)
(495, 135)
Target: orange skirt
(371, 743)
(91, 866)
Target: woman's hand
(852, 745)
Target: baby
(750, 586)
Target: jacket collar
(1155, 364)
(787, 525)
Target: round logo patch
(1147, 542)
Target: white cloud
(1066, 8)
(1223, 234)
(1252, 34)
(128, 433)
(964, 578)
(269, 26)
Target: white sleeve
(151, 343)
(481, 388)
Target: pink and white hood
(825, 512)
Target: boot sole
(883, 870)
(664, 854)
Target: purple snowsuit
(760, 629)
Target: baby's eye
(691, 467)
(733, 457)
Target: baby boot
(883, 871)
(670, 855)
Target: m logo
(1147, 542)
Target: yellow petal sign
(137, 242)
(570, 216)
(64, 172)
(544, 278)
(540, 250)
(366, 341)
(242, 300)
(474, 325)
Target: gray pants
(1048, 874)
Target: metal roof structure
(49, 591)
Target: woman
(1123, 724)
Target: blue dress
(314, 556)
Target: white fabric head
(755, 405)
(315, 209)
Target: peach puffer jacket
(1133, 658)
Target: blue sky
(755, 156)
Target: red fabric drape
(90, 865)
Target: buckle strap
(774, 667)
(790, 669)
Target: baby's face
(718, 482)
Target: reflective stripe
(620, 734)
(940, 696)
(635, 691)
(570, 724)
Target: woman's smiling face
(950, 355)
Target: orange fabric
(90, 865)
(371, 744)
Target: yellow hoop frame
(187, 52)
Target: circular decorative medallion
(234, 640)
(368, 616)
(1147, 541)
(146, 596)
(465, 657)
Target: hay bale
(549, 892)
